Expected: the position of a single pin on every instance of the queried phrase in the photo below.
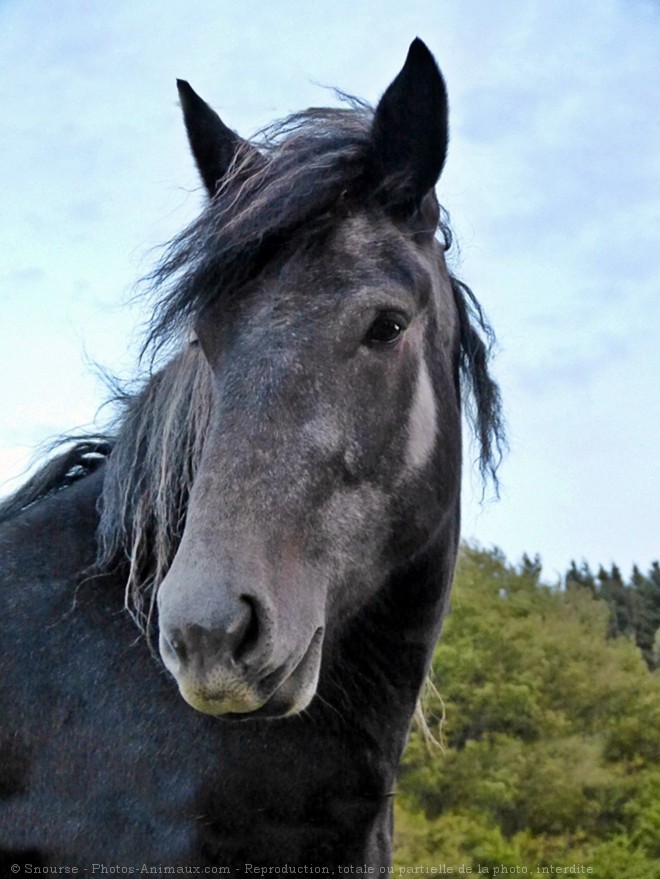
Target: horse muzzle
(227, 672)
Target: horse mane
(282, 189)
(81, 459)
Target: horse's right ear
(410, 132)
(213, 145)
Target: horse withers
(277, 508)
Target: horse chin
(231, 701)
(236, 700)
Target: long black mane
(283, 190)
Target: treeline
(634, 605)
(551, 703)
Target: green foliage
(552, 730)
(634, 607)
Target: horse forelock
(311, 167)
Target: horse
(218, 614)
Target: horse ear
(213, 145)
(410, 132)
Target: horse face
(334, 444)
(319, 473)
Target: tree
(553, 753)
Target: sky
(552, 184)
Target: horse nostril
(250, 629)
(232, 636)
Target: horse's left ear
(410, 132)
(213, 145)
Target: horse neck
(374, 673)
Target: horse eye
(385, 330)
